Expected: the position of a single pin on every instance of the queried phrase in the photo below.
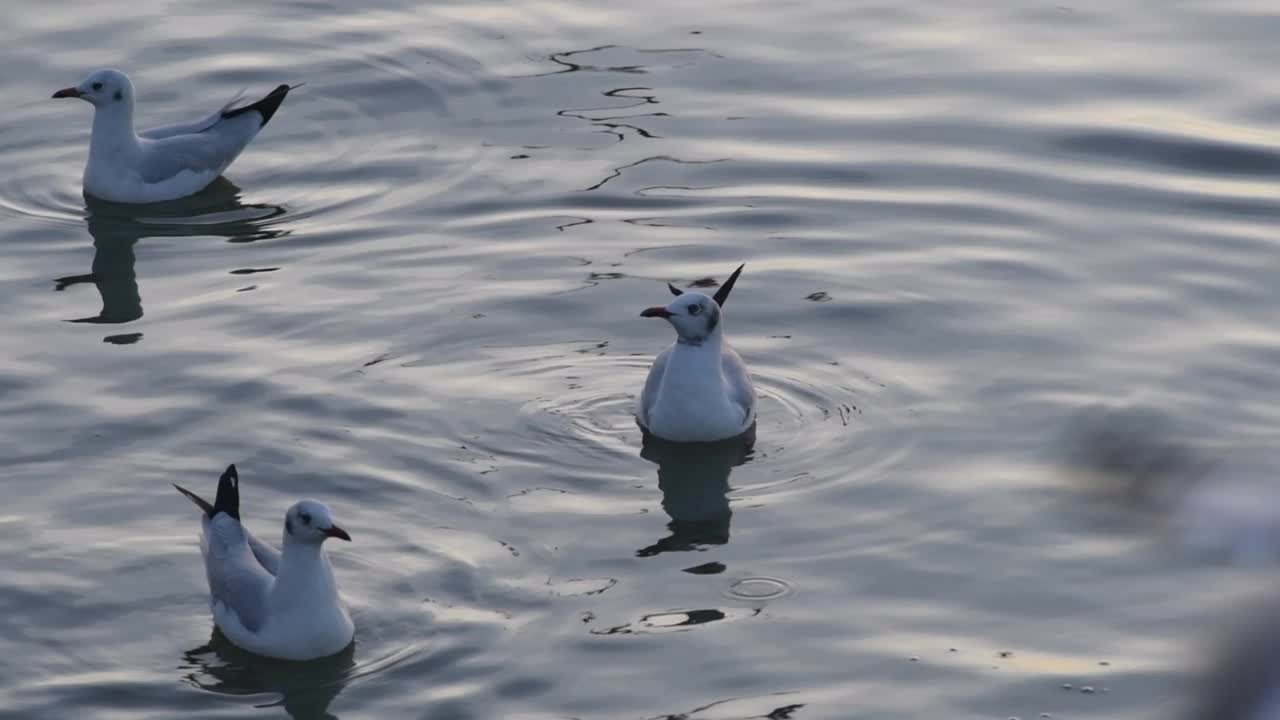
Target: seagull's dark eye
(305, 517)
(695, 309)
(97, 86)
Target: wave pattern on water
(416, 297)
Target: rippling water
(416, 296)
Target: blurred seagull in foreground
(283, 605)
(163, 163)
(1202, 503)
(1202, 507)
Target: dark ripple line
(784, 712)
(617, 172)
(611, 127)
(576, 222)
(570, 67)
(1180, 153)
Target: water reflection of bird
(116, 228)
(694, 479)
(306, 688)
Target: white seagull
(698, 390)
(163, 163)
(281, 605)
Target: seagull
(698, 390)
(163, 163)
(281, 605)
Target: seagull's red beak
(335, 531)
(67, 92)
(655, 312)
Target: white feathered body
(698, 393)
(163, 163)
(281, 605)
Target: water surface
(416, 297)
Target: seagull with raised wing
(163, 163)
(698, 390)
(283, 605)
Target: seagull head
(694, 316)
(310, 522)
(103, 88)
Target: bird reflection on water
(694, 479)
(116, 228)
(306, 689)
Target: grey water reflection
(694, 480)
(306, 689)
(116, 229)
(1135, 455)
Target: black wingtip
(675, 290)
(228, 499)
(267, 106)
(199, 501)
(722, 293)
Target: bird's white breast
(693, 402)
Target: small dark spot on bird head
(119, 95)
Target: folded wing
(206, 152)
(742, 392)
(190, 128)
(237, 577)
(649, 395)
(267, 556)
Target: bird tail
(267, 106)
(227, 499)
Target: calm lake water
(416, 298)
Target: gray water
(416, 298)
